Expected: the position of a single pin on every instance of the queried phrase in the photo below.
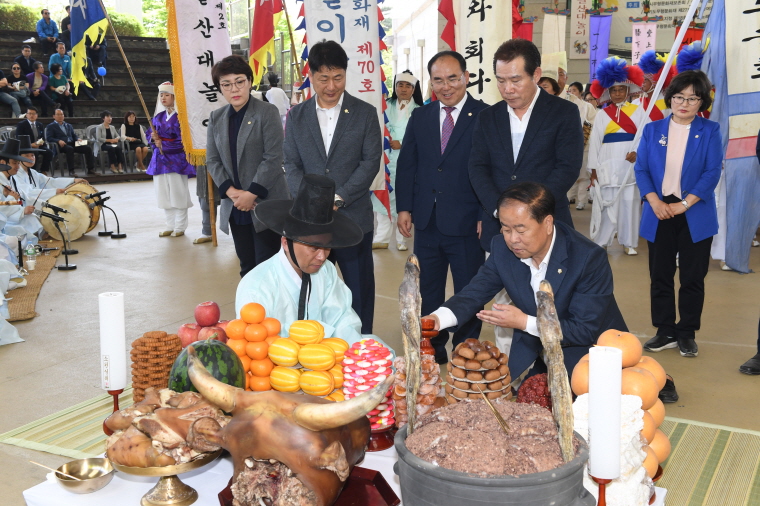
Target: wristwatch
(339, 202)
(685, 204)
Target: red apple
(207, 332)
(207, 314)
(188, 333)
(223, 324)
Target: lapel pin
(345, 110)
(559, 271)
(469, 114)
(664, 141)
(249, 122)
(696, 136)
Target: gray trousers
(206, 216)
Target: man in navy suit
(36, 132)
(433, 190)
(62, 135)
(529, 136)
(534, 246)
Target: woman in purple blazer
(678, 166)
(38, 83)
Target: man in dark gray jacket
(244, 158)
(337, 135)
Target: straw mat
(23, 300)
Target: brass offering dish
(93, 473)
(169, 490)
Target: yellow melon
(317, 382)
(337, 374)
(336, 396)
(317, 357)
(307, 332)
(285, 379)
(339, 346)
(284, 352)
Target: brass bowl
(200, 461)
(94, 473)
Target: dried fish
(410, 305)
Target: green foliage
(154, 18)
(126, 24)
(16, 16)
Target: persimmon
(236, 329)
(257, 350)
(658, 412)
(640, 382)
(246, 360)
(650, 462)
(655, 368)
(649, 427)
(253, 312)
(273, 326)
(261, 368)
(238, 346)
(255, 332)
(660, 444)
(626, 342)
(271, 339)
(579, 379)
(260, 384)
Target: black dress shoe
(751, 366)
(688, 347)
(441, 359)
(659, 343)
(668, 394)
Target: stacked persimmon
(250, 337)
(307, 362)
(643, 377)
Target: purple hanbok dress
(169, 169)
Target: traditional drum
(83, 190)
(77, 219)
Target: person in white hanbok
(611, 156)
(278, 97)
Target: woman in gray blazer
(109, 141)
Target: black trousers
(115, 153)
(358, 269)
(43, 160)
(48, 47)
(69, 150)
(253, 247)
(437, 254)
(673, 238)
(44, 101)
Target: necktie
(36, 132)
(448, 127)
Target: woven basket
(153, 355)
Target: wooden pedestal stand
(115, 394)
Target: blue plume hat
(690, 57)
(650, 64)
(614, 71)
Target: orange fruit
(246, 360)
(261, 368)
(260, 384)
(253, 313)
(248, 377)
(271, 339)
(626, 342)
(640, 382)
(257, 350)
(273, 326)
(238, 346)
(236, 329)
(255, 332)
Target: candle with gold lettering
(604, 395)
(113, 341)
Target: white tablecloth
(126, 490)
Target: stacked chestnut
(477, 366)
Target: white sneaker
(631, 251)
(581, 206)
(725, 267)
(755, 243)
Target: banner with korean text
(644, 37)
(480, 30)
(579, 30)
(198, 37)
(599, 42)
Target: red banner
(692, 34)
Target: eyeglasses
(15, 68)
(679, 99)
(451, 81)
(238, 84)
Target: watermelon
(219, 359)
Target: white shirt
(328, 119)
(454, 113)
(537, 274)
(518, 126)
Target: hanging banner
(198, 37)
(524, 31)
(734, 37)
(692, 34)
(553, 38)
(480, 30)
(644, 35)
(599, 40)
(579, 30)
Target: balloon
(101, 71)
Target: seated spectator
(110, 141)
(38, 84)
(65, 22)
(62, 59)
(47, 31)
(25, 60)
(59, 88)
(97, 52)
(91, 76)
(35, 187)
(12, 96)
(549, 85)
(35, 130)
(63, 136)
(134, 134)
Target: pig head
(288, 449)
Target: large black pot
(425, 484)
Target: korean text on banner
(599, 42)
(480, 30)
(579, 30)
(198, 37)
(644, 37)
(553, 40)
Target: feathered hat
(614, 71)
(690, 57)
(652, 64)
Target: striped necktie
(448, 127)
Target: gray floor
(164, 278)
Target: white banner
(553, 36)
(198, 37)
(644, 37)
(579, 30)
(742, 43)
(482, 26)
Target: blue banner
(599, 42)
(87, 19)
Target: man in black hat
(299, 283)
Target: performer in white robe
(611, 156)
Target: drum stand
(66, 239)
(67, 266)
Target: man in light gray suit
(244, 158)
(337, 135)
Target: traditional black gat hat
(11, 151)
(25, 145)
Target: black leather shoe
(659, 343)
(751, 366)
(441, 359)
(688, 347)
(668, 394)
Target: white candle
(113, 341)
(604, 394)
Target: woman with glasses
(38, 84)
(677, 169)
(59, 88)
(15, 95)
